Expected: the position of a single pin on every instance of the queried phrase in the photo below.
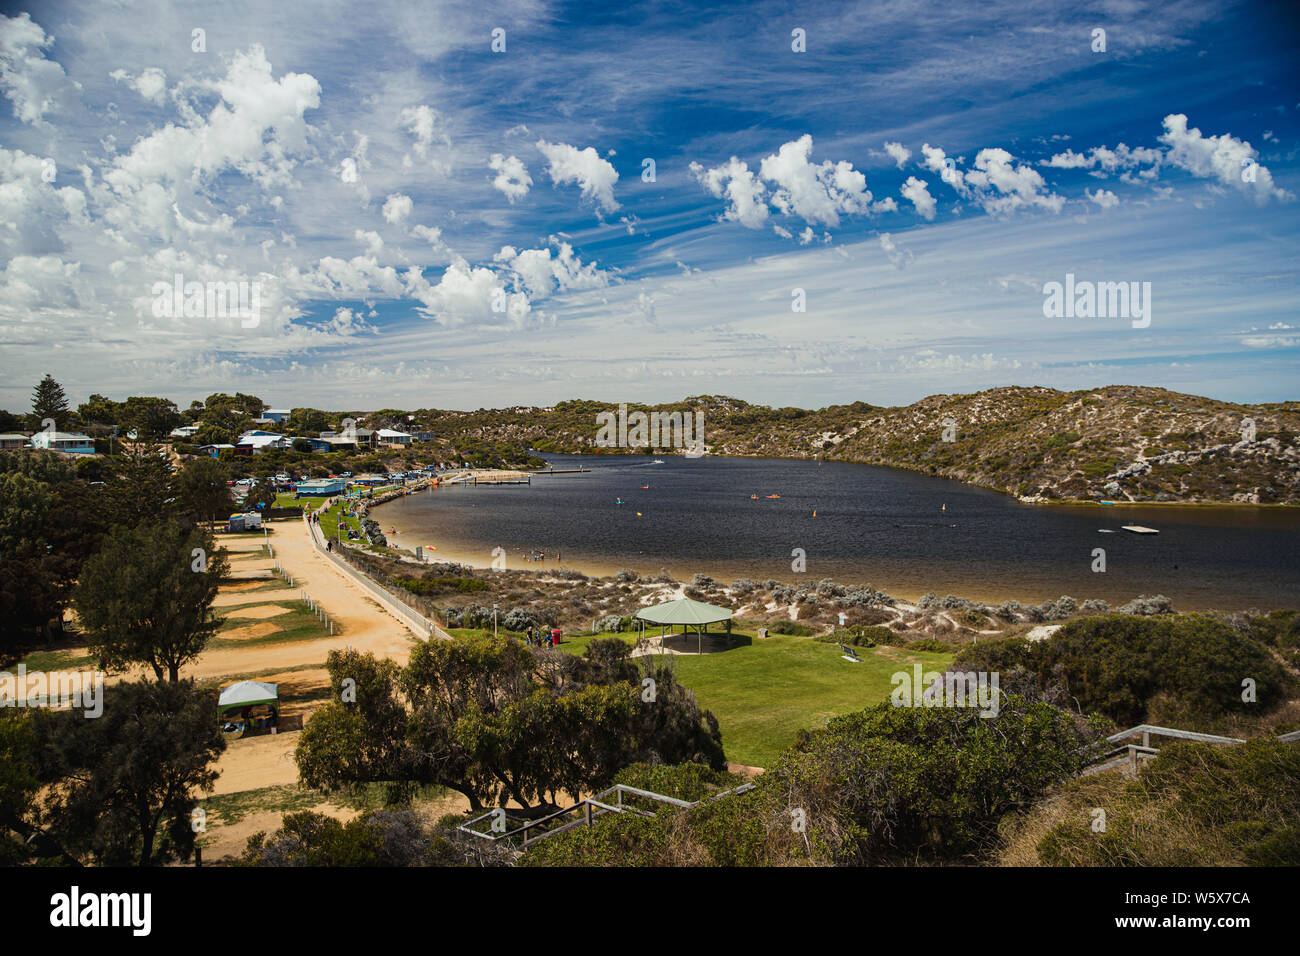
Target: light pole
(494, 620)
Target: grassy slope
(764, 692)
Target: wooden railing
(585, 812)
(1130, 755)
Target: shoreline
(906, 581)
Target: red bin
(555, 635)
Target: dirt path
(365, 625)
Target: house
(215, 450)
(73, 443)
(317, 444)
(357, 438)
(11, 441)
(422, 436)
(321, 488)
(277, 414)
(390, 436)
(185, 431)
(255, 442)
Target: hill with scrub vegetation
(1121, 442)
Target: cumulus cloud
(397, 208)
(595, 176)
(918, 193)
(541, 274)
(1103, 198)
(468, 295)
(1002, 185)
(745, 194)
(374, 244)
(33, 84)
(1231, 161)
(419, 121)
(151, 83)
(899, 153)
(256, 128)
(1143, 160)
(512, 179)
(816, 194)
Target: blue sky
(385, 179)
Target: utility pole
(494, 620)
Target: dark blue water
(880, 526)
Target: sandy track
(366, 626)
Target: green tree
(141, 487)
(201, 489)
(122, 788)
(149, 417)
(146, 598)
(491, 719)
(48, 399)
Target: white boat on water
(658, 461)
(1139, 529)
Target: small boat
(644, 487)
(771, 496)
(814, 512)
(638, 514)
(753, 497)
(1139, 529)
(1105, 530)
(658, 461)
(619, 501)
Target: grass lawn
(329, 522)
(297, 624)
(764, 692)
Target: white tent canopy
(248, 693)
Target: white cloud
(816, 194)
(150, 84)
(1103, 198)
(430, 234)
(745, 194)
(512, 179)
(374, 244)
(918, 192)
(542, 274)
(898, 257)
(397, 208)
(595, 176)
(1003, 186)
(1225, 158)
(899, 153)
(419, 121)
(34, 85)
(467, 295)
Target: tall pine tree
(48, 399)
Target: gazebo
(686, 614)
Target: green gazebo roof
(684, 611)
